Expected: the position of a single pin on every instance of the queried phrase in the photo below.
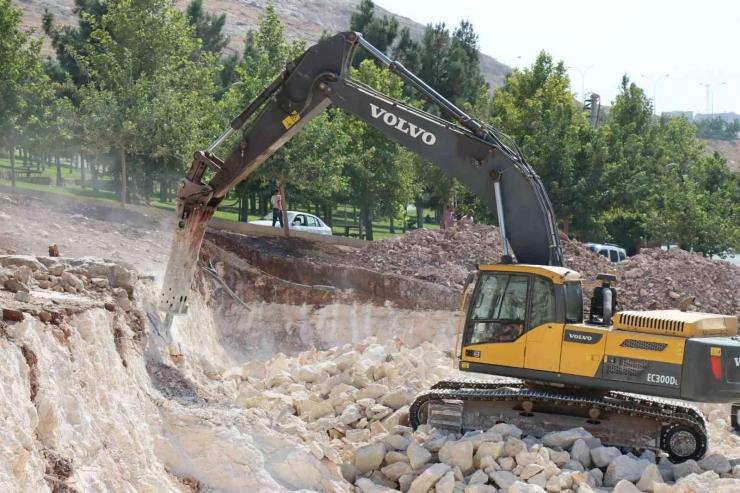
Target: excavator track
(617, 418)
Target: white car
(612, 252)
(299, 221)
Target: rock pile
(654, 279)
(353, 402)
(447, 256)
(33, 284)
(657, 279)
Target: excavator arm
(481, 157)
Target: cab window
(573, 303)
(622, 256)
(543, 302)
(613, 256)
(499, 310)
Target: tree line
(138, 85)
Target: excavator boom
(480, 156)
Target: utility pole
(655, 90)
(583, 80)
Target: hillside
(728, 148)
(305, 19)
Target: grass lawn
(381, 228)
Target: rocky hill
(305, 19)
(728, 148)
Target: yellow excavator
(611, 373)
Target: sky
(693, 42)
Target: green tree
(537, 109)
(208, 27)
(718, 128)
(138, 45)
(379, 32)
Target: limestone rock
(519, 487)
(564, 439)
(531, 470)
(649, 476)
(418, 455)
(446, 484)
(514, 446)
(369, 457)
(602, 456)
(478, 477)
(503, 479)
(538, 479)
(397, 442)
(685, 468)
(396, 470)
(398, 398)
(506, 430)
(428, 478)
(581, 453)
(625, 487)
(715, 462)
(507, 463)
(624, 467)
(458, 454)
(494, 449)
(479, 488)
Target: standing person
(277, 207)
(468, 218)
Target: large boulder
(396, 470)
(458, 454)
(503, 479)
(429, 478)
(581, 453)
(685, 468)
(446, 484)
(649, 477)
(602, 456)
(369, 457)
(715, 462)
(418, 455)
(624, 467)
(564, 439)
(625, 487)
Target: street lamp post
(509, 62)
(583, 80)
(655, 90)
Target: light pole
(583, 80)
(655, 89)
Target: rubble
(654, 279)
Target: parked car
(612, 252)
(299, 221)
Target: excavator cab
(517, 315)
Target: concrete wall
(217, 224)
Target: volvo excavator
(619, 375)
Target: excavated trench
(285, 318)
